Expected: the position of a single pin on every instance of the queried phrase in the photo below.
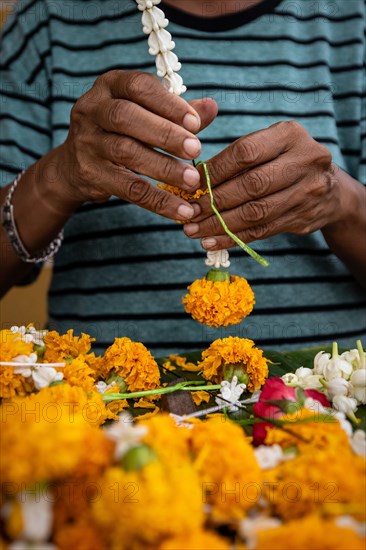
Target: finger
(290, 222)
(147, 91)
(127, 118)
(207, 109)
(128, 152)
(249, 215)
(251, 185)
(132, 188)
(250, 151)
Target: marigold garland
(181, 193)
(227, 466)
(196, 540)
(12, 345)
(310, 532)
(134, 363)
(239, 353)
(65, 346)
(219, 303)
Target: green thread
(189, 385)
(236, 239)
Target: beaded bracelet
(10, 227)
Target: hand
(113, 132)
(273, 181)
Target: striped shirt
(123, 270)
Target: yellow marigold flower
(81, 535)
(78, 373)
(200, 397)
(11, 384)
(137, 509)
(168, 441)
(310, 532)
(12, 345)
(134, 363)
(60, 347)
(310, 435)
(225, 461)
(196, 540)
(219, 303)
(181, 193)
(42, 439)
(235, 356)
(316, 478)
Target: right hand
(114, 130)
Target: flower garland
(101, 481)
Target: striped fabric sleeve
(362, 171)
(25, 116)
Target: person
(275, 104)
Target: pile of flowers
(259, 465)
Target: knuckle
(291, 127)
(245, 150)
(138, 82)
(255, 211)
(259, 182)
(114, 114)
(168, 168)
(166, 135)
(138, 191)
(257, 233)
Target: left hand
(277, 180)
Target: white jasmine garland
(336, 386)
(161, 46)
(230, 392)
(125, 434)
(160, 42)
(347, 405)
(358, 443)
(270, 456)
(102, 387)
(42, 374)
(29, 334)
(348, 521)
(249, 528)
(217, 258)
(358, 384)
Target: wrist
(351, 199)
(52, 183)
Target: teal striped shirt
(123, 270)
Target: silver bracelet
(10, 227)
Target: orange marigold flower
(309, 532)
(134, 363)
(78, 373)
(231, 356)
(60, 347)
(81, 535)
(196, 540)
(11, 384)
(181, 193)
(219, 303)
(225, 461)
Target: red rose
(287, 400)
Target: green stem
(185, 386)
(236, 239)
(334, 350)
(361, 351)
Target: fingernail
(208, 243)
(191, 177)
(192, 147)
(191, 123)
(185, 212)
(191, 228)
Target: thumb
(207, 109)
